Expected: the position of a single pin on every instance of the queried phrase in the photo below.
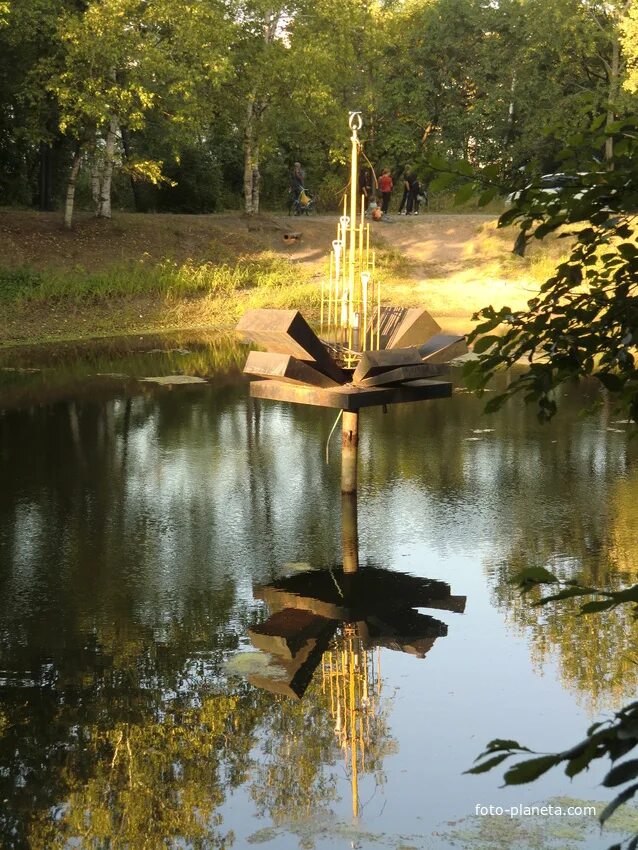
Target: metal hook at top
(355, 121)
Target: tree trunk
(95, 181)
(511, 113)
(256, 179)
(104, 200)
(70, 188)
(254, 114)
(249, 133)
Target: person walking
(297, 178)
(386, 186)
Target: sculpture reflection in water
(336, 621)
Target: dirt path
(457, 263)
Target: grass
(169, 279)
(149, 273)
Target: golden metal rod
(354, 173)
(353, 732)
(378, 316)
(330, 295)
(364, 291)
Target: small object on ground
(289, 238)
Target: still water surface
(139, 524)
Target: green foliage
(585, 320)
(612, 739)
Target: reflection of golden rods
(363, 211)
(374, 277)
(365, 279)
(329, 296)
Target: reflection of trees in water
(597, 655)
(133, 744)
(115, 732)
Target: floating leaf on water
(472, 439)
(483, 430)
(167, 380)
(298, 566)
(254, 663)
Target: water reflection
(338, 620)
(135, 521)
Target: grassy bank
(149, 273)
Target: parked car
(550, 184)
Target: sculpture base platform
(349, 397)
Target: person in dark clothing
(408, 178)
(365, 186)
(413, 196)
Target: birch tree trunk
(254, 112)
(70, 189)
(95, 181)
(104, 200)
(249, 140)
(256, 179)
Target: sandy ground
(457, 263)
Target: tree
(629, 41)
(584, 322)
(122, 61)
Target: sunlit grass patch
(168, 278)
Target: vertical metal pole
(354, 188)
(349, 450)
(349, 532)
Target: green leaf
(621, 773)
(442, 182)
(595, 607)
(581, 761)
(489, 764)
(487, 196)
(626, 795)
(503, 744)
(528, 771)
(464, 194)
(465, 168)
(610, 381)
(484, 343)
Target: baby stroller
(303, 204)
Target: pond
(146, 530)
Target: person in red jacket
(385, 186)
